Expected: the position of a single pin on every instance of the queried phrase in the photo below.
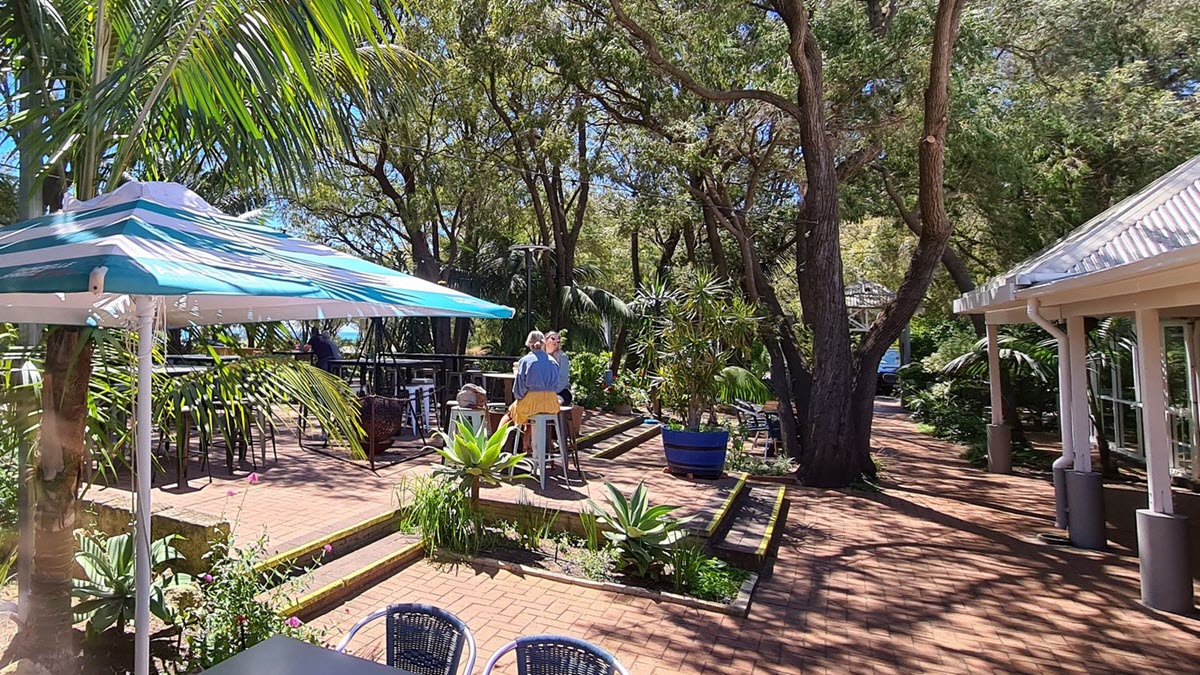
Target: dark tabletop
(284, 656)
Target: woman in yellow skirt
(536, 386)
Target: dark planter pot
(381, 419)
(699, 453)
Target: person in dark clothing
(325, 349)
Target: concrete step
(747, 537)
(590, 439)
(335, 581)
(617, 444)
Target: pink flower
(328, 548)
(241, 618)
(230, 493)
(206, 578)
(293, 622)
(253, 478)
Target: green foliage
(642, 533)
(534, 524)
(107, 593)
(443, 513)
(587, 378)
(232, 612)
(702, 576)
(263, 92)
(597, 564)
(8, 491)
(700, 329)
(591, 530)
(474, 457)
(954, 409)
(628, 388)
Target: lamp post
(528, 249)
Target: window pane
(1130, 439)
(1125, 376)
(1175, 351)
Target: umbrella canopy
(81, 267)
(151, 249)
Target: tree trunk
(57, 477)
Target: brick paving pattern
(939, 573)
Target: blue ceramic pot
(699, 453)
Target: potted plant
(697, 331)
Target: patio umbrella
(152, 252)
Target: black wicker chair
(422, 639)
(558, 655)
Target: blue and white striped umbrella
(82, 266)
(157, 250)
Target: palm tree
(251, 91)
(1021, 354)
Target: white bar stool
(540, 442)
(420, 391)
(474, 417)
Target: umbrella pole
(141, 616)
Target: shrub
(643, 534)
(953, 409)
(107, 594)
(587, 378)
(702, 576)
(231, 615)
(443, 513)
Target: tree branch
(656, 57)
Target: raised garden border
(739, 606)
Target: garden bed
(566, 558)
(570, 566)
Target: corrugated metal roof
(863, 294)
(1162, 217)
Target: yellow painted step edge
(770, 530)
(720, 514)
(406, 554)
(294, 554)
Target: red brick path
(939, 573)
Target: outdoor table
(282, 655)
(508, 379)
(198, 358)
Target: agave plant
(108, 592)
(474, 457)
(643, 534)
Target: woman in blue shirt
(536, 386)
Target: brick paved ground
(306, 494)
(939, 573)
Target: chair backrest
(421, 639)
(558, 655)
(426, 640)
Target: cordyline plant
(474, 457)
(643, 534)
(698, 330)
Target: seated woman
(536, 386)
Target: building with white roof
(1138, 260)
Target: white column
(1081, 419)
(993, 350)
(141, 616)
(1154, 410)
